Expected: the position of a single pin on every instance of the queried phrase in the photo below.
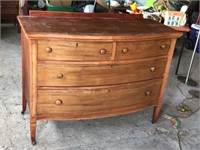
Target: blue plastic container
(193, 36)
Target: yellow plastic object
(134, 9)
(133, 6)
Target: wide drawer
(90, 75)
(134, 50)
(74, 51)
(98, 102)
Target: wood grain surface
(95, 28)
(83, 101)
(93, 66)
(74, 50)
(88, 75)
(142, 49)
(83, 15)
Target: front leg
(33, 132)
(24, 104)
(156, 113)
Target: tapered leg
(24, 104)
(33, 132)
(156, 114)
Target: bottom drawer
(96, 102)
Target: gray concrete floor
(128, 132)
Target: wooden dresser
(93, 66)
(9, 12)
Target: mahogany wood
(143, 49)
(84, 101)
(24, 101)
(157, 108)
(101, 114)
(74, 50)
(93, 67)
(33, 132)
(101, 29)
(9, 12)
(84, 15)
(90, 75)
(181, 29)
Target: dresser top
(95, 28)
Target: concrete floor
(128, 132)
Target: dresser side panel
(157, 108)
(26, 67)
(167, 70)
(33, 79)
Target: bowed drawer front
(83, 68)
(94, 75)
(97, 100)
(142, 49)
(74, 50)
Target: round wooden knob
(152, 69)
(60, 75)
(102, 51)
(48, 49)
(125, 50)
(147, 93)
(58, 102)
(163, 46)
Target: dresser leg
(33, 132)
(156, 114)
(24, 104)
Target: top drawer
(144, 49)
(74, 51)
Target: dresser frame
(29, 71)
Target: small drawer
(135, 50)
(74, 51)
(92, 75)
(85, 103)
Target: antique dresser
(84, 66)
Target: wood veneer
(94, 66)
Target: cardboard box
(173, 18)
(60, 2)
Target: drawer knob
(102, 51)
(48, 49)
(147, 93)
(152, 69)
(60, 76)
(163, 46)
(125, 50)
(58, 102)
